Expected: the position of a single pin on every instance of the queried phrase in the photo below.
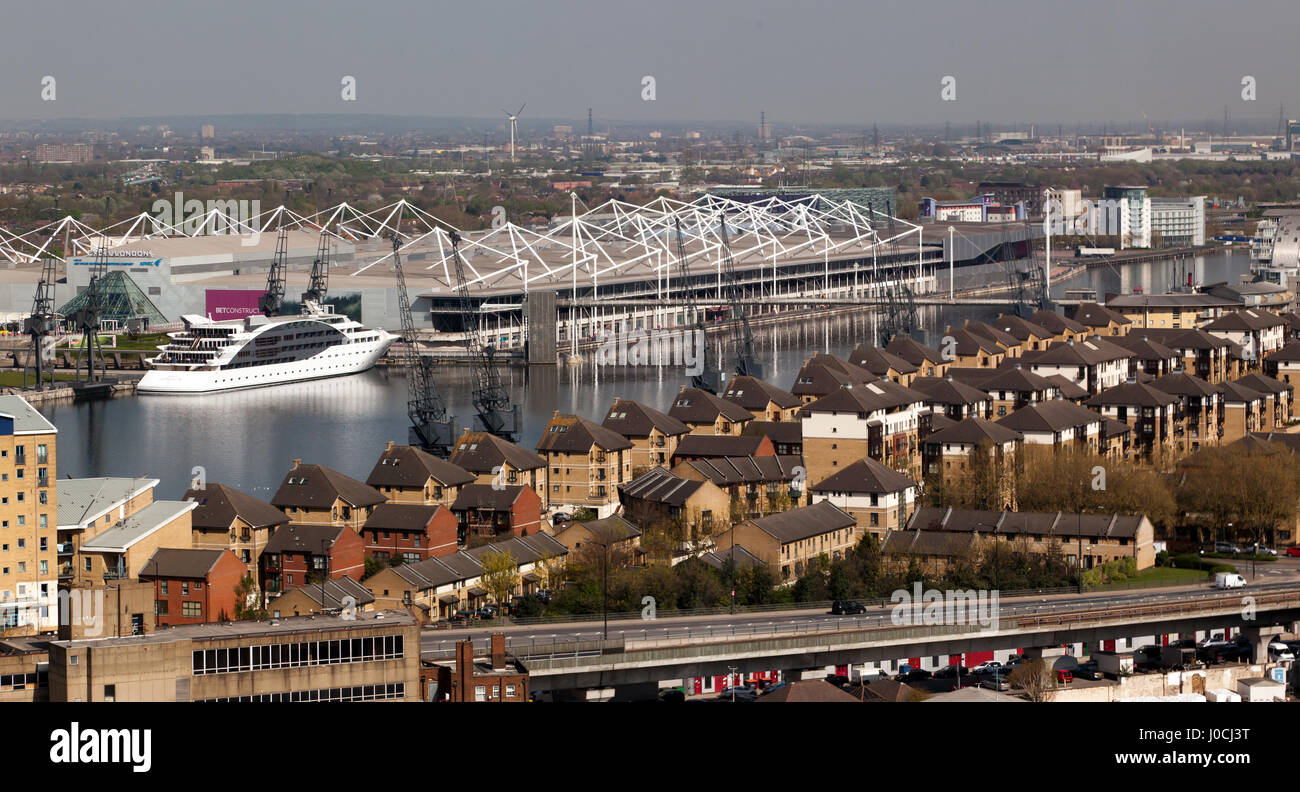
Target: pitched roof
(1133, 393)
(334, 594)
(611, 529)
(948, 390)
(1185, 338)
(865, 475)
(1069, 388)
(1057, 323)
(1093, 315)
(1012, 378)
(219, 505)
(808, 690)
(1257, 381)
(168, 562)
(405, 466)
(573, 434)
(1290, 353)
(1056, 524)
(879, 361)
(83, 499)
(973, 431)
(927, 543)
(753, 394)
(1049, 416)
(803, 522)
(698, 406)
(995, 334)
(776, 431)
(1183, 384)
(1234, 392)
(634, 419)
(1113, 428)
(1020, 328)
(27, 419)
(913, 351)
(736, 553)
(487, 496)
(1084, 352)
(316, 487)
(660, 485)
(1143, 346)
(879, 395)
(303, 538)
(724, 471)
(701, 445)
(481, 452)
(969, 342)
(401, 517)
(1245, 320)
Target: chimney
(498, 651)
(390, 445)
(464, 670)
(296, 464)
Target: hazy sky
(840, 62)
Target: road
(538, 640)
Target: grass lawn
(149, 341)
(1170, 575)
(14, 379)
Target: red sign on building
(232, 303)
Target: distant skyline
(835, 63)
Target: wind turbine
(514, 118)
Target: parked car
(442, 624)
(952, 671)
(914, 675)
(1064, 677)
(1089, 670)
(1293, 551)
(1279, 651)
(996, 683)
(847, 608)
(1229, 580)
(1226, 547)
(1216, 639)
(1260, 550)
(987, 667)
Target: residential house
(1204, 355)
(1062, 328)
(1011, 388)
(120, 550)
(879, 499)
(88, 507)
(492, 512)
(883, 364)
(227, 519)
(786, 436)
(410, 532)
(754, 485)
(1243, 411)
(948, 455)
(718, 446)
(929, 362)
(822, 375)
(654, 435)
(406, 474)
(661, 496)
(953, 398)
(302, 553)
(707, 413)
(316, 495)
(1057, 423)
(788, 541)
(1101, 320)
(340, 595)
(496, 461)
(1094, 364)
(1276, 410)
(765, 402)
(882, 420)
(1149, 357)
(586, 463)
(1151, 413)
(1200, 411)
(193, 586)
(614, 535)
(1284, 364)
(1258, 332)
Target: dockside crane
(271, 302)
(41, 324)
(746, 366)
(495, 414)
(88, 319)
(431, 429)
(318, 286)
(709, 378)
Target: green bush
(1193, 561)
(1162, 558)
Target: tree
(247, 605)
(500, 574)
(1035, 678)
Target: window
(162, 587)
(185, 588)
(480, 693)
(110, 692)
(192, 609)
(160, 607)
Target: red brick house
(297, 551)
(193, 586)
(497, 512)
(410, 531)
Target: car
(1260, 550)
(847, 608)
(996, 683)
(1089, 670)
(1226, 547)
(441, 624)
(560, 517)
(1215, 639)
(914, 675)
(1293, 551)
(1280, 652)
(952, 671)
(1064, 677)
(460, 620)
(987, 667)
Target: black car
(1089, 670)
(951, 671)
(847, 608)
(915, 675)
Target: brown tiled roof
(406, 466)
(219, 505)
(948, 390)
(913, 351)
(879, 361)
(1049, 416)
(698, 406)
(1094, 315)
(973, 431)
(776, 431)
(303, 538)
(401, 517)
(865, 475)
(1054, 524)
(480, 452)
(803, 522)
(633, 419)
(1057, 323)
(660, 485)
(1247, 319)
(167, 562)
(316, 487)
(754, 394)
(879, 395)
(572, 434)
(1138, 394)
(808, 690)
(487, 496)
(701, 445)
(725, 471)
(1183, 384)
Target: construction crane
(41, 324)
(318, 287)
(495, 414)
(431, 429)
(270, 303)
(746, 366)
(900, 317)
(88, 319)
(709, 378)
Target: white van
(1227, 580)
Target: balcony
(63, 548)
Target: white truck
(1229, 580)
(1114, 664)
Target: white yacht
(255, 351)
